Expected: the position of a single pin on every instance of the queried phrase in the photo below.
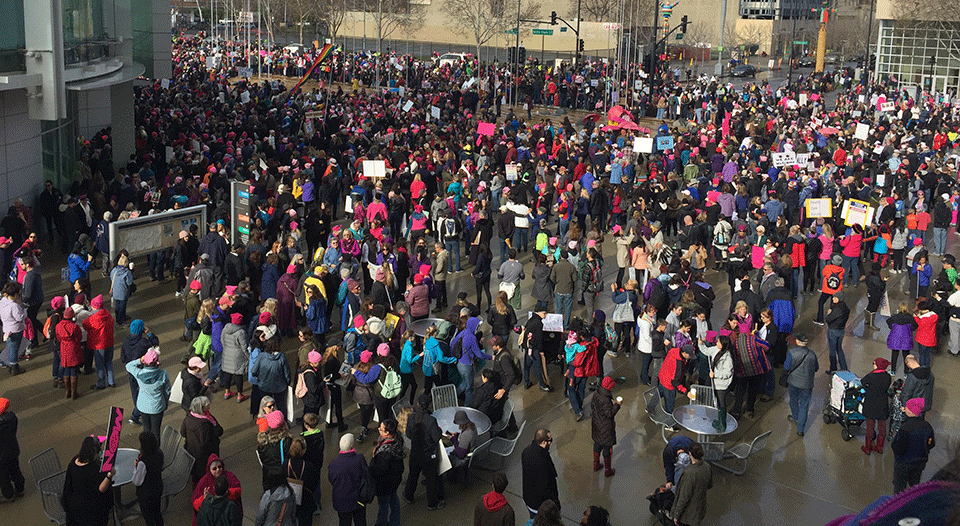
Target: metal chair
(705, 396)
(51, 488)
(400, 406)
(712, 451)
(503, 447)
(170, 443)
(177, 477)
(743, 451)
(44, 465)
(479, 453)
(657, 413)
(501, 424)
(444, 396)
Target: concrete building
(67, 69)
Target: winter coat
(201, 439)
(121, 281)
(218, 511)
(690, 500)
(192, 388)
(418, 298)
(99, 327)
(277, 508)
(542, 286)
(926, 329)
(781, 305)
(71, 348)
(154, 387)
(918, 383)
(750, 356)
(9, 447)
(603, 428)
(723, 370)
(539, 476)
(502, 324)
(13, 315)
(136, 345)
(493, 510)
(875, 399)
(901, 327)
(272, 372)
(386, 466)
(803, 372)
(235, 352)
(366, 385)
(344, 474)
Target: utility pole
(868, 62)
(516, 77)
(576, 61)
(718, 69)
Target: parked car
(805, 61)
(451, 58)
(744, 70)
(831, 58)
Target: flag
(325, 52)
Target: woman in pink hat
(365, 376)
(287, 302)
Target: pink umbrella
(827, 130)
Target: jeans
(120, 310)
(389, 511)
(521, 239)
(923, 355)
(799, 405)
(835, 342)
(531, 362)
(645, 360)
(216, 363)
(797, 280)
(563, 304)
(152, 423)
(11, 478)
(357, 517)
(851, 270)
(134, 393)
(466, 382)
(669, 397)
(954, 346)
(563, 226)
(156, 261)
(14, 341)
(824, 298)
(939, 240)
(504, 250)
(453, 261)
(576, 391)
(104, 363)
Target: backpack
(457, 349)
(353, 355)
(833, 280)
(391, 386)
(611, 334)
(517, 369)
(450, 225)
(880, 245)
(301, 389)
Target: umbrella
(827, 130)
(609, 127)
(592, 117)
(627, 125)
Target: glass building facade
(920, 53)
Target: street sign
(611, 25)
(542, 31)
(801, 42)
(679, 36)
(511, 31)
(563, 29)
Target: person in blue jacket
(154, 389)
(471, 351)
(408, 357)
(432, 354)
(78, 263)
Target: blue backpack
(353, 355)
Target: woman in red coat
(71, 351)
(926, 334)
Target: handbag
(623, 312)
(296, 483)
(367, 491)
(784, 376)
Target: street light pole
(516, 56)
(576, 60)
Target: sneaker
(135, 422)
(227, 394)
(580, 416)
(242, 397)
(818, 322)
(177, 294)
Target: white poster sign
(781, 159)
(863, 130)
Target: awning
(126, 73)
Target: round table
(419, 327)
(124, 464)
(445, 419)
(699, 419)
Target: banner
(664, 143)
(643, 144)
(324, 53)
(113, 439)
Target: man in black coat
(539, 473)
(215, 246)
(11, 478)
(234, 267)
(424, 434)
(485, 395)
(48, 206)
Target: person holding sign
(87, 495)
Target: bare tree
(333, 12)
(485, 19)
(303, 11)
(389, 16)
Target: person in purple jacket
(470, 351)
(902, 325)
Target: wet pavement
(796, 480)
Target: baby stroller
(661, 502)
(846, 403)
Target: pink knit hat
(291, 268)
(314, 357)
(97, 302)
(383, 349)
(274, 419)
(358, 321)
(151, 357)
(264, 318)
(365, 356)
(236, 318)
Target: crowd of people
(345, 262)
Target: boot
(68, 387)
(879, 446)
(609, 471)
(866, 447)
(720, 424)
(596, 461)
(76, 389)
(870, 318)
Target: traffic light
(580, 45)
(933, 60)
(553, 18)
(512, 54)
(523, 55)
(683, 24)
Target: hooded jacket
(277, 507)
(386, 466)
(918, 383)
(471, 348)
(493, 510)
(71, 349)
(603, 427)
(136, 345)
(784, 313)
(99, 327)
(218, 511)
(236, 355)
(201, 440)
(901, 327)
(272, 372)
(154, 387)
